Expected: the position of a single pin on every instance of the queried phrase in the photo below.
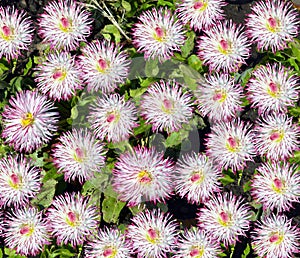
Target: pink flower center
(224, 219)
(152, 236)
(110, 118)
(168, 106)
(144, 177)
(219, 96)
(196, 252)
(26, 230)
(65, 24)
(278, 183)
(276, 238)
(159, 34)
(152, 233)
(15, 179)
(198, 5)
(276, 136)
(6, 32)
(224, 44)
(79, 155)
(273, 87)
(278, 186)
(59, 75)
(72, 219)
(225, 47)
(102, 65)
(272, 22)
(108, 252)
(232, 144)
(197, 177)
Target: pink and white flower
(58, 76)
(103, 66)
(20, 180)
(78, 154)
(277, 137)
(273, 88)
(225, 217)
(276, 186)
(143, 175)
(29, 121)
(196, 177)
(219, 97)
(158, 34)
(275, 236)
(152, 234)
(64, 24)
(200, 14)
(272, 24)
(16, 32)
(224, 47)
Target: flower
(201, 14)
(166, 106)
(20, 180)
(224, 47)
(196, 243)
(108, 243)
(64, 24)
(273, 88)
(225, 218)
(142, 175)
(103, 66)
(276, 185)
(196, 177)
(231, 144)
(152, 233)
(78, 155)
(113, 118)
(26, 231)
(72, 219)
(276, 136)
(15, 32)
(158, 34)
(275, 236)
(29, 121)
(58, 76)
(272, 24)
(219, 97)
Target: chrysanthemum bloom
(158, 34)
(143, 175)
(273, 88)
(20, 181)
(277, 137)
(224, 47)
(29, 121)
(78, 154)
(276, 185)
(196, 177)
(113, 118)
(103, 66)
(272, 24)
(71, 219)
(196, 243)
(200, 14)
(231, 144)
(26, 231)
(15, 32)
(166, 106)
(58, 76)
(64, 24)
(108, 243)
(219, 97)
(275, 236)
(225, 218)
(153, 234)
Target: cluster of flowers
(30, 120)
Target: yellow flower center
(72, 219)
(277, 136)
(27, 120)
(197, 252)
(153, 236)
(278, 186)
(144, 177)
(220, 96)
(273, 90)
(7, 33)
(273, 25)
(168, 106)
(276, 238)
(200, 5)
(197, 177)
(232, 144)
(159, 34)
(15, 181)
(65, 25)
(59, 75)
(102, 65)
(79, 155)
(26, 230)
(225, 219)
(109, 252)
(225, 47)
(113, 116)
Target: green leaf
(151, 67)
(137, 209)
(1, 253)
(195, 62)
(228, 178)
(126, 6)
(111, 209)
(245, 76)
(188, 46)
(45, 196)
(113, 30)
(143, 127)
(74, 112)
(28, 66)
(63, 252)
(99, 182)
(162, 206)
(12, 253)
(247, 186)
(246, 251)
(173, 139)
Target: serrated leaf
(46, 194)
(111, 208)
